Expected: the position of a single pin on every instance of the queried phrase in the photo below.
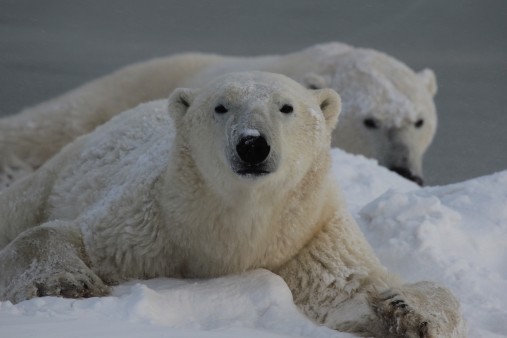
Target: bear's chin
(253, 171)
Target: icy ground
(455, 234)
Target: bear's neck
(254, 229)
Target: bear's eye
(419, 123)
(370, 123)
(287, 109)
(220, 109)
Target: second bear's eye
(419, 123)
(370, 123)
(220, 109)
(287, 109)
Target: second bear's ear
(429, 80)
(330, 104)
(316, 81)
(179, 102)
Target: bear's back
(117, 161)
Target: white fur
(372, 85)
(154, 193)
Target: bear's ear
(316, 81)
(429, 79)
(330, 104)
(179, 102)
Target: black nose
(253, 149)
(407, 174)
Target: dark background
(48, 47)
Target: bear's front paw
(82, 283)
(401, 319)
(422, 310)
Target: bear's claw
(400, 319)
(71, 285)
(76, 284)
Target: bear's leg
(47, 260)
(29, 139)
(337, 281)
(11, 167)
(22, 204)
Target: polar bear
(231, 177)
(388, 115)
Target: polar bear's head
(388, 110)
(254, 128)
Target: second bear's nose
(253, 149)
(408, 175)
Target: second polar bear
(388, 111)
(234, 177)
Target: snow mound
(253, 304)
(362, 180)
(455, 235)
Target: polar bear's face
(387, 105)
(254, 128)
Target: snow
(251, 132)
(455, 235)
